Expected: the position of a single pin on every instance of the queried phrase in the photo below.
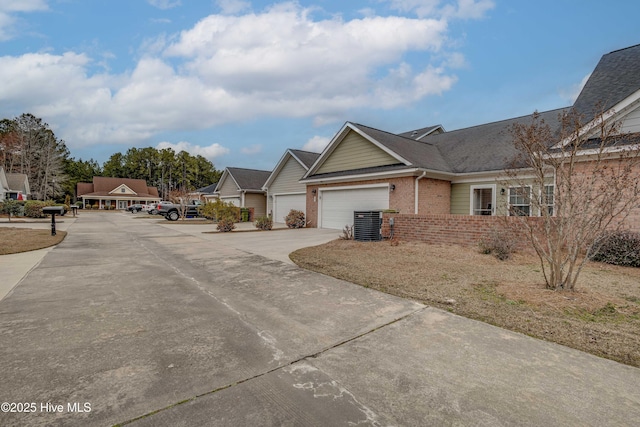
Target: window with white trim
(520, 201)
(548, 198)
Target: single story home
(433, 171)
(243, 188)
(284, 189)
(14, 185)
(115, 193)
(204, 193)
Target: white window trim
(492, 187)
(542, 198)
(509, 205)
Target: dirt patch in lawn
(602, 317)
(15, 240)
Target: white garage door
(233, 200)
(338, 205)
(283, 204)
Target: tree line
(29, 146)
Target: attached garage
(282, 205)
(337, 204)
(233, 200)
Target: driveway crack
(277, 368)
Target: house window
(482, 201)
(122, 190)
(548, 199)
(520, 201)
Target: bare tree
(582, 181)
(181, 198)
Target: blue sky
(241, 81)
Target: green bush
(12, 208)
(295, 219)
(219, 209)
(618, 248)
(264, 223)
(499, 243)
(33, 208)
(226, 224)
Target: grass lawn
(601, 317)
(15, 240)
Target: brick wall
(465, 230)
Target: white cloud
(23, 5)
(210, 152)
(227, 69)
(164, 4)
(8, 9)
(316, 144)
(252, 150)
(232, 7)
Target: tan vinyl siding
(229, 188)
(355, 152)
(631, 123)
(256, 201)
(460, 199)
(287, 180)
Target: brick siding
(465, 230)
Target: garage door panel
(338, 205)
(284, 204)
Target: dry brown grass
(14, 240)
(601, 317)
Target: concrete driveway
(129, 321)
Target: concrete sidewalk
(14, 267)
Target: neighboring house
(14, 185)
(432, 171)
(205, 193)
(284, 189)
(243, 188)
(116, 193)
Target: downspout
(424, 174)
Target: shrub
(618, 248)
(33, 208)
(226, 223)
(219, 209)
(11, 208)
(499, 243)
(295, 219)
(347, 233)
(264, 223)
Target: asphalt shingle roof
(486, 147)
(417, 133)
(306, 157)
(249, 179)
(616, 77)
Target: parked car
(171, 211)
(135, 208)
(152, 209)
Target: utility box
(367, 226)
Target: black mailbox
(53, 210)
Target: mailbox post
(53, 210)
